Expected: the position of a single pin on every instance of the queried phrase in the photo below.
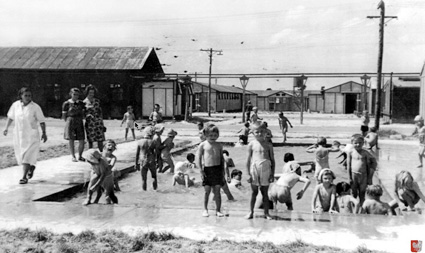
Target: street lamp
(186, 81)
(365, 79)
(244, 81)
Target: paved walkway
(32, 206)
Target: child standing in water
(145, 157)
(325, 192)
(109, 147)
(129, 119)
(322, 155)
(157, 142)
(212, 170)
(260, 166)
(361, 166)
(99, 167)
(283, 124)
(420, 131)
(165, 148)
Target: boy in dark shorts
(146, 152)
(212, 171)
(243, 134)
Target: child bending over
(145, 157)
(129, 119)
(346, 202)
(322, 155)
(373, 204)
(325, 192)
(281, 190)
(361, 166)
(212, 171)
(260, 166)
(407, 191)
(98, 166)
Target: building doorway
(350, 103)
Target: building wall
(262, 104)
(405, 104)
(315, 102)
(228, 101)
(422, 95)
(161, 93)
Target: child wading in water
(243, 134)
(361, 166)
(129, 119)
(325, 192)
(260, 165)
(322, 155)
(420, 131)
(165, 148)
(346, 202)
(109, 147)
(212, 171)
(145, 157)
(283, 124)
(281, 190)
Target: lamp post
(244, 82)
(365, 79)
(300, 84)
(186, 80)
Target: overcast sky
(276, 36)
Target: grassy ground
(25, 240)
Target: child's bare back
(373, 206)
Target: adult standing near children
(248, 110)
(73, 114)
(365, 123)
(26, 137)
(95, 130)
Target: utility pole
(382, 17)
(210, 54)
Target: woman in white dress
(26, 137)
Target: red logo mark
(415, 245)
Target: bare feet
(268, 217)
(205, 214)
(249, 216)
(86, 202)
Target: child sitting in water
(281, 190)
(181, 177)
(325, 192)
(371, 139)
(289, 159)
(373, 203)
(407, 191)
(322, 155)
(165, 148)
(346, 202)
(236, 178)
(243, 134)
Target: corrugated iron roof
(224, 88)
(268, 93)
(405, 82)
(74, 57)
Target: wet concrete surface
(178, 210)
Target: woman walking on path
(95, 130)
(73, 113)
(26, 137)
